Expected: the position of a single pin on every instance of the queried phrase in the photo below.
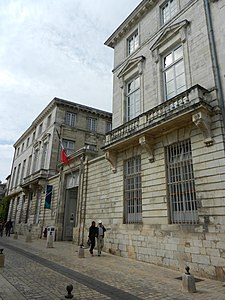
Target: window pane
(168, 60)
(180, 82)
(169, 75)
(178, 53)
(170, 87)
(179, 68)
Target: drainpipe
(214, 58)
(85, 197)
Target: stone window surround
(171, 36)
(133, 67)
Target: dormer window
(132, 42)
(168, 10)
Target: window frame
(129, 115)
(133, 42)
(70, 119)
(171, 12)
(132, 191)
(172, 67)
(66, 143)
(92, 124)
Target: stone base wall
(203, 252)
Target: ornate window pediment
(134, 63)
(178, 29)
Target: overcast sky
(53, 48)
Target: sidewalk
(143, 280)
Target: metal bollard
(81, 251)
(188, 282)
(15, 236)
(69, 289)
(2, 258)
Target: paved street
(33, 271)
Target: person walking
(8, 227)
(93, 232)
(100, 237)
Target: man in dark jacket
(93, 232)
(8, 227)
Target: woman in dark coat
(93, 232)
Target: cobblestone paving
(33, 280)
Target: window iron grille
(132, 191)
(181, 184)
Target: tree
(4, 207)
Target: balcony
(36, 179)
(191, 106)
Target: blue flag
(48, 196)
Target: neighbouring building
(37, 163)
(2, 190)
(163, 202)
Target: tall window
(28, 141)
(37, 208)
(91, 122)
(35, 160)
(173, 70)
(181, 184)
(33, 136)
(168, 10)
(18, 175)
(70, 119)
(132, 191)
(49, 120)
(29, 165)
(23, 171)
(27, 217)
(108, 127)
(21, 209)
(132, 98)
(132, 42)
(44, 155)
(14, 178)
(40, 128)
(69, 146)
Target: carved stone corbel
(148, 148)
(111, 156)
(203, 121)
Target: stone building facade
(163, 201)
(36, 185)
(159, 187)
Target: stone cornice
(130, 22)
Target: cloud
(53, 48)
(7, 152)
